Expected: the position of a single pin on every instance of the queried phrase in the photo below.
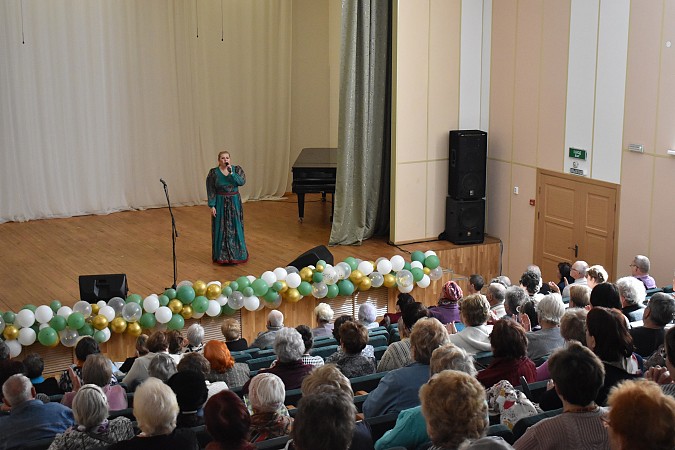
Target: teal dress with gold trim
(227, 228)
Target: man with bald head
(578, 272)
(265, 339)
(496, 294)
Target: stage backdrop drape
(100, 99)
(363, 121)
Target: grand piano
(313, 172)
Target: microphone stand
(174, 232)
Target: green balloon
(176, 323)
(99, 336)
(432, 262)
(170, 293)
(353, 263)
(333, 291)
(55, 305)
(86, 330)
(277, 286)
(48, 336)
(317, 277)
(234, 285)
(407, 266)
(271, 296)
(165, 299)
(260, 287)
(58, 323)
(227, 291)
(185, 294)
(148, 320)
(227, 310)
(201, 304)
(76, 320)
(417, 274)
(247, 291)
(30, 306)
(9, 317)
(243, 283)
(134, 298)
(345, 287)
(417, 256)
(305, 288)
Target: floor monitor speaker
(468, 158)
(103, 287)
(464, 221)
(311, 256)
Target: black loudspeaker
(464, 221)
(311, 256)
(468, 156)
(103, 287)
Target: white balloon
(27, 336)
(64, 311)
(196, 315)
(44, 314)
(82, 307)
(101, 304)
(424, 282)
(366, 267)
(25, 318)
(293, 280)
(151, 303)
(269, 277)
(222, 301)
(397, 263)
(163, 314)
(214, 309)
(384, 266)
(405, 289)
(429, 253)
(251, 303)
(251, 278)
(280, 273)
(184, 283)
(44, 325)
(106, 331)
(14, 348)
(214, 282)
(417, 264)
(108, 312)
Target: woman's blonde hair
(155, 407)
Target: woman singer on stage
(227, 214)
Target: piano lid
(316, 158)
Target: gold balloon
(99, 322)
(213, 291)
(320, 267)
(186, 312)
(365, 284)
(356, 276)
(389, 280)
(426, 271)
(200, 287)
(94, 309)
(118, 325)
(11, 332)
(293, 295)
(175, 306)
(134, 329)
(306, 274)
(226, 283)
(284, 287)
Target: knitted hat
(190, 388)
(452, 292)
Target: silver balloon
(83, 307)
(236, 300)
(117, 303)
(2, 324)
(68, 337)
(404, 278)
(132, 312)
(330, 275)
(376, 279)
(344, 270)
(292, 269)
(319, 290)
(436, 273)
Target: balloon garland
(54, 323)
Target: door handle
(576, 250)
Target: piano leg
(301, 206)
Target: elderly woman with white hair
(543, 342)
(289, 348)
(195, 338)
(92, 429)
(368, 315)
(632, 294)
(324, 314)
(266, 396)
(156, 410)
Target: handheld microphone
(163, 182)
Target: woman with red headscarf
(448, 305)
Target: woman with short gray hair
(324, 314)
(162, 367)
(267, 395)
(195, 337)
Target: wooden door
(575, 220)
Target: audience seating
(325, 342)
(379, 351)
(359, 400)
(381, 424)
(273, 444)
(532, 391)
(241, 356)
(378, 340)
(203, 437)
(501, 431)
(293, 397)
(324, 352)
(378, 332)
(127, 412)
(266, 352)
(261, 363)
(523, 424)
(366, 383)
(482, 360)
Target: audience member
(177, 344)
(198, 363)
(324, 314)
(503, 280)
(664, 375)
(578, 272)
(640, 270)
(308, 340)
(549, 312)
(403, 299)
(580, 296)
(141, 349)
(529, 308)
(596, 275)
(368, 352)
(96, 370)
(157, 343)
(227, 421)
(4, 351)
(564, 276)
(195, 338)
(232, 335)
(266, 395)
(572, 328)
(85, 346)
(191, 395)
(223, 366)
(475, 337)
(33, 368)
(312, 431)
(578, 375)
(156, 411)
(265, 339)
(530, 281)
(29, 419)
(289, 348)
(543, 287)
(514, 297)
(606, 295)
(353, 339)
(398, 389)
(659, 312)
(368, 315)
(640, 416)
(447, 309)
(398, 354)
(92, 428)
(632, 293)
(496, 295)
(476, 283)
(9, 367)
(162, 366)
(509, 348)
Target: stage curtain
(363, 128)
(99, 99)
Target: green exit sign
(577, 153)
